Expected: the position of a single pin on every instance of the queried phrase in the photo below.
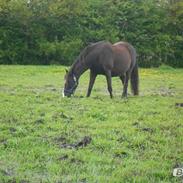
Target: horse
(104, 58)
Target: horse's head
(71, 84)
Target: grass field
(139, 139)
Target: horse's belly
(97, 69)
(115, 74)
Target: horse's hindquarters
(122, 59)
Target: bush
(54, 32)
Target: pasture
(47, 138)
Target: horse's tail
(135, 80)
(134, 74)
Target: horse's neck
(79, 68)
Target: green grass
(139, 139)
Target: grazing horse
(108, 59)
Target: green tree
(54, 32)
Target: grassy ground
(139, 139)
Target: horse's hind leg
(122, 77)
(109, 82)
(92, 80)
(126, 78)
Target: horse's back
(116, 57)
(100, 56)
(125, 44)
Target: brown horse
(108, 59)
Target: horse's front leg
(92, 80)
(109, 82)
(126, 78)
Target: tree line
(55, 31)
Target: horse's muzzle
(66, 94)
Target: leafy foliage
(54, 32)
